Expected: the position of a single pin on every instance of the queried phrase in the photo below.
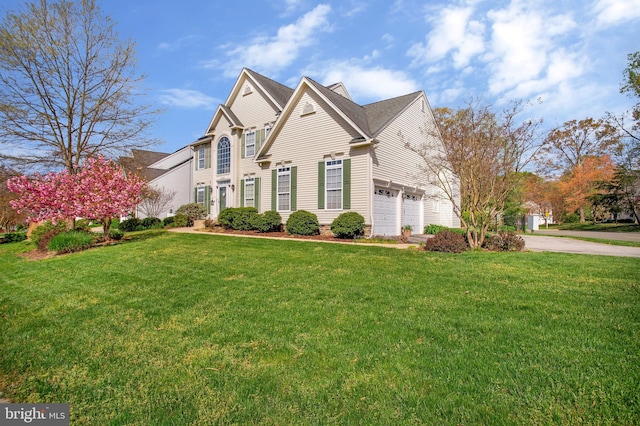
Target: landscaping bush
(242, 218)
(151, 222)
(446, 241)
(12, 237)
(82, 225)
(180, 221)
(433, 229)
(209, 223)
(269, 221)
(70, 241)
(193, 212)
(116, 234)
(130, 225)
(238, 218)
(303, 222)
(168, 221)
(504, 241)
(49, 230)
(348, 225)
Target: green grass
(601, 240)
(205, 329)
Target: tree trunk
(106, 229)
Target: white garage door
(385, 212)
(412, 212)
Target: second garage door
(412, 212)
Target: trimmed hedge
(348, 225)
(269, 221)
(130, 225)
(168, 221)
(303, 222)
(193, 212)
(248, 219)
(13, 237)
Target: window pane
(249, 193)
(284, 189)
(250, 144)
(224, 156)
(333, 184)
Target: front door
(222, 198)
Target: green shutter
(241, 192)
(274, 188)
(321, 185)
(242, 145)
(259, 139)
(256, 192)
(207, 157)
(195, 194)
(207, 199)
(346, 184)
(294, 188)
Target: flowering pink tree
(100, 190)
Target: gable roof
(379, 114)
(279, 92)
(140, 161)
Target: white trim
(336, 164)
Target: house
(313, 148)
(173, 175)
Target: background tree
(8, 216)
(474, 156)
(67, 86)
(100, 190)
(155, 201)
(568, 145)
(631, 86)
(582, 182)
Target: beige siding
(305, 140)
(393, 162)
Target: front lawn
(203, 329)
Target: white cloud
(368, 84)
(187, 99)
(613, 12)
(271, 54)
(453, 31)
(176, 44)
(524, 54)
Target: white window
(200, 195)
(266, 131)
(201, 158)
(250, 144)
(224, 156)
(249, 192)
(284, 189)
(333, 184)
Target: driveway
(539, 242)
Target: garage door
(412, 212)
(385, 212)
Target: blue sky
(567, 54)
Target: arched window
(224, 156)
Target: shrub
(303, 222)
(70, 241)
(209, 223)
(82, 225)
(130, 225)
(151, 222)
(168, 221)
(269, 221)
(181, 221)
(433, 229)
(446, 241)
(348, 225)
(273, 220)
(238, 218)
(12, 237)
(47, 229)
(116, 234)
(242, 218)
(504, 241)
(193, 212)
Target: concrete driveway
(540, 242)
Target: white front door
(385, 212)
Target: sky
(564, 56)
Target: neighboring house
(173, 174)
(312, 148)
(139, 163)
